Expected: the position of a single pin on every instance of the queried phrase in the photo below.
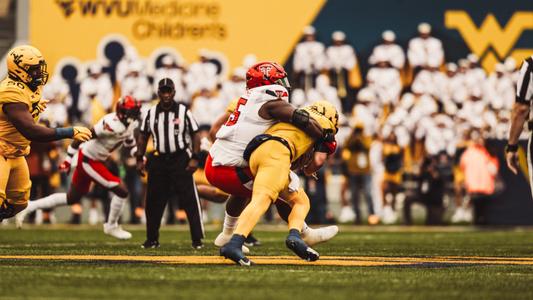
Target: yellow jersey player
(20, 106)
(270, 157)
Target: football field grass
(63, 262)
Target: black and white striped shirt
(524, 86)
(171, 130)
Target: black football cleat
(236, 255)
(148, 244)
(197, 245)
(300, 248)
(251, 241)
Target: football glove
(328, 147)
(82, 133)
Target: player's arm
(285, 112)
(20, 117)
(217, 124)
(319, 159)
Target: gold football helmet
(26, 63)
(327, 110)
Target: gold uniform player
(270, 157)
(20, 107)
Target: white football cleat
(319, 235)
(222, 239)
(19, 218)
(116, 231)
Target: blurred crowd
(413, 127)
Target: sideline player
(270, 156)
(109, 133)
(241, 181)
(20, 107)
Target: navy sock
(294, 233)
(237, 241)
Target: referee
(170, 167)
(520, 114)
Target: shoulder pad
(12, 91)
(112, 123)
(271, 92)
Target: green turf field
(386, 262)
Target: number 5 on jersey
(234, 117)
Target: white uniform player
(109, 133)
(226, 167)
(233, 137)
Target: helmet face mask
(37, 74)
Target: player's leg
(79, 186)
(267, 163)
(207, 191)
(297, 216)
(6, 208)
(234, 206)
(311, 236)
(99, 173)
(111, 227)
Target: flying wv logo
(492, 42)
(17, 58)
(67, 6)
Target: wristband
(511, 148)
(64, 132)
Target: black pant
(480, 203)
(167, 175)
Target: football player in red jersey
(109, 133)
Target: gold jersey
(298, 140)
(12, 142)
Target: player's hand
(41, 106)
(328, 147)
(140, 167)
(304, 160)
(82, 133)
(192, 166)
(512, 161)
(64, 166)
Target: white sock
(115, 209)
(229, 223)
(305, 228)
(51, 201)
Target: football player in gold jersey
(270, 157)
(20, 106)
